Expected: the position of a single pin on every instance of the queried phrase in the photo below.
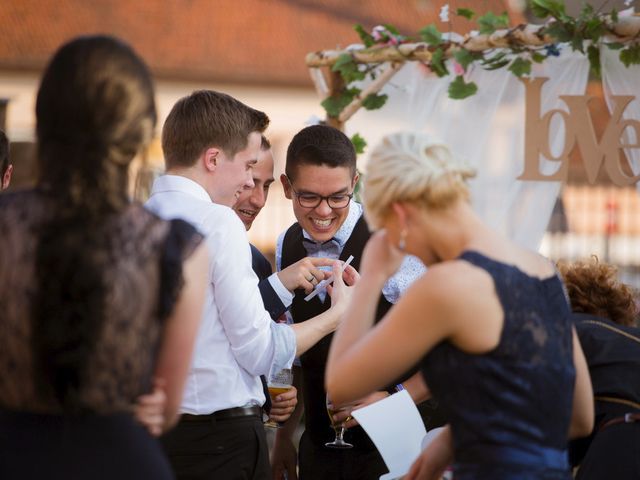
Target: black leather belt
(238, 412)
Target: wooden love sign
(578, 126)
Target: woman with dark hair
(605, 314)
(97, 296)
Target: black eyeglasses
(312, 200)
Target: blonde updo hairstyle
(412, 167)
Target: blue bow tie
(313, 248)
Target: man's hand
(284, 460)
(344, 415)
(340, 290)
(283, 405)
(149, 408)
(305, 273)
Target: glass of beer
(339, 428)
(279, 382)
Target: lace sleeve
(182, 239)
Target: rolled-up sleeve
(256, 341)
(283, 338)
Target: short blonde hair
(412, 167)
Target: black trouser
(36, 446)
(229, 449)
(614, 453)
(317, 462)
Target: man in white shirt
(211, 142)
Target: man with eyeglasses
(320, 178)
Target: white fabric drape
(487, 130)
(620, 80)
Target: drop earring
(402, 243)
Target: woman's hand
(343, 415)
(149, 408)
(433, 461)
(380, 256)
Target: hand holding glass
(339, 428)
(279, 382)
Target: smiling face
(234, 174)
(251, 200)
(321, 222)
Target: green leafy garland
(583, 33)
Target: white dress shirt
(237, 340)
(285, 296)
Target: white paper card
(395, 427)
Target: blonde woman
(489, 324)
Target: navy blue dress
(510, 409)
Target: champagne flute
(279, 382)
(339, 428)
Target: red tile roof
(249, 41)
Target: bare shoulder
(459, 299)
(447, 282)
(454, 275)
(534, 264)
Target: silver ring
(311, 279)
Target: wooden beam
(320, 82)
(374, 87)
(399, 53)
(525, 35)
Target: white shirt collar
(178, 183)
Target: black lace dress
(141, 257)
(510, 409)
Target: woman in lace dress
(488, 323)
(97, 296)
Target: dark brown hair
(95, 111)
(320, 145)
(207, 119)
(593, 288)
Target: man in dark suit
(276, 289)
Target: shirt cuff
(284, 345)
(285, 296)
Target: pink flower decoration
(457, 68)
(378, 32)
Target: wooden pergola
(329, 83)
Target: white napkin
(396, 428)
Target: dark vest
(314, 360)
